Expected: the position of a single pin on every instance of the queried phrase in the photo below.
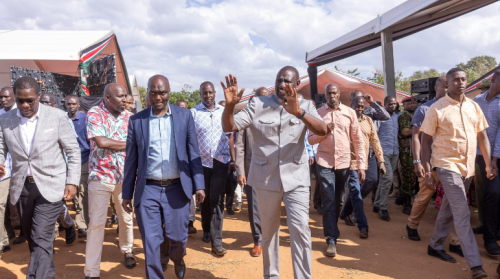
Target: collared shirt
(80, 127)
(334, 150)
(311, 149)
(453, 127)
(419, 115)
(370, 137)
(162, 159)
(388, 135)
(491, 111)
(376, 112)
(28, 129)
(106, 165)
(8, 159)
(213, 142)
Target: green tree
(480, 65)
(354, 72)
(142, 94)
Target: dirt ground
(387, 253)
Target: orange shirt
(334, 149)
(454, 127)
(370, 136)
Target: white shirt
(8, 160)
(28, 129)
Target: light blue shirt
(162, 159)
(388, 135)
(491, 112)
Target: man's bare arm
(110, 144)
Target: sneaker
(331, 250)
(237, 207)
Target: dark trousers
(371, 177)
(317, 190)
(254, 214)
(212, 208)
(7, 221)
(231, 183)
(38, 218)
(490, 204)
(163, 205)
(354, 201)
(332, 183)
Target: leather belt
(166, 182)
(30, 179)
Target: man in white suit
(37, 137)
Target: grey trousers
(455, 211)
(297, 213)
(385, 181)
(254, 214)
(4, 203)
(82, 200)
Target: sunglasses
(29, 101)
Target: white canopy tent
(408, 18)
(55, 51)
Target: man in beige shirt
(334, 160)
(456, 126)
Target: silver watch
(417, 161)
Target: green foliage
(192, 98)
(478, 66)
(142, 94)
(349, 72)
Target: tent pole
(312, 71)
(388, 58)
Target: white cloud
(193, 41)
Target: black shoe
(130, 261)
(478, 272)
(407, 209)
(230, 211)
(70, 234)
(180, 270)
(191, 228)
(441, 254)
(347, 220)
(113, 219)
(399, 201)
(478, 230)
(363, 233)
(60, 228)
(384, 215)
(20, 239)
(219, 251)
(376, 209)
(206, 237)
(457, 249)
(492, 249)
(82, 233)
(412, 234)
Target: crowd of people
(167, 161)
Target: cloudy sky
(192, 41)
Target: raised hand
(292, 101)
(231, 93)
(368, 98)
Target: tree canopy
(192, 98)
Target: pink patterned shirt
(105, 165)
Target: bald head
(357, 93)
(332, 85)
(7, 98)
(115, 96)
(262, 92)
(182, 104)
(158, 81)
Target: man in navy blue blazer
(163, 168)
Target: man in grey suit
(279, 170)
(37, 137)
(244, 148)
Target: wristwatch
(303, 113)
(417, 161)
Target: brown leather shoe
(256, 251)
(130, 261)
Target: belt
(166, 182)
(30, 179)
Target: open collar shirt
(28, 129)
(491, 111)
(213, 142)
(370, 137)
(106, 165)
(334, 149)
(454, 126)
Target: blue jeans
(355, 201)
(371, 178)
(332, 183)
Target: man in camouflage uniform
(408, 177)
